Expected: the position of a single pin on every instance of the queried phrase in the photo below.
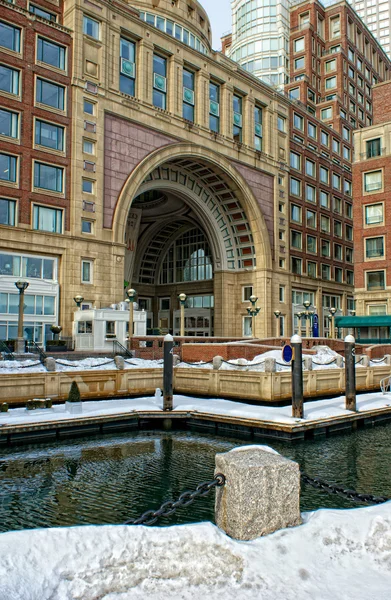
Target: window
(91, 27)
(338, 274)
(310, 193)
(88, 107)
(9, 80)
(325, 224)
(299, 45)
(295, 161)
(336, 146)
(49, 135)
(374, 247)
(9, 37)
(47, 219)
(87, 226)
(348, 210)
(336, 179)
(258, 132)
(295, 187)
(311, 218)
(214, 107)
(324, 199)
(51, 53)
(86, 271)
(324, 138)
(349, 232)
(237, 118)
(44, 14)
(323, 174)
(297, 265)
(188, 95)
(84, 327)
(337, 251)
(127, 67)
(281, 293)
(247, 326)
(325, 272)
(331, 82)
(373, 148)
(346, 133)
(159, 81)
(310, 168)
(325, 248)
(247, 291)
(295, 213)
(346, 153)
(299, 63)
(88, 186)
(373, 214)
(335, 27)
(187, 259)
(7, 168)
(311, 244)
(9, 123)
(88, 147)
(349, 255)
(330, 65)
(312, 130)
(338, 228)
(48, 177)
(50, 94)
(298, 122)
(281, 124)
(7, 212)
(373, 181)
(312, 269)
(375, 280)
(110, 329)
(296, 240)
(351, 72)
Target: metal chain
(340, 491)
(168, 508)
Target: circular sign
(287, 353)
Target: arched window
(189, 258)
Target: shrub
(74, 393)
(4, 407)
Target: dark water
(114, 478)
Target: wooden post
(297, 377)
(168, 372)
(350, 373)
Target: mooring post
(350, 372)
(168, 371)
(261, 493)
(297, 377)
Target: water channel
(101, 480)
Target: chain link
(319, 484)
(168, 508)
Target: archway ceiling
(217, 201)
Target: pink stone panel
(126, 145)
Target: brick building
(35, 166)
(334, 62)
(372, 210)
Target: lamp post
(277, 314)
(253, 311)
(131, 294)
(332, 312)
(308, 314)
(56, 330)
(22, 287)
(182, 300)
(78, 299)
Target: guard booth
(374, 329)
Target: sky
(219, 12)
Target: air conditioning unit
(159, 82)
(188, 96)
(128, 68)
(122, 306)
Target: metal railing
(35, 349)
(385, 385)
(5, 350)
(119, 349)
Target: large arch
(177, 154)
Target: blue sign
(287, 353)
(315, 326)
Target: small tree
(74, 393)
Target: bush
(56, 343)
(74, 393)
(4, 407)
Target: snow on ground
(334, 555)
(316, 410)
(325, 358)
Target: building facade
(372, 192)
(35, 167)
(334, 63)
(376, 15)
(174, 179)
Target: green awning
(367, 321)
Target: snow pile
(316, 410)
(335, 554)
(8, 367)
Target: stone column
(202, 98)
(175, 85)
(144, 78)
(226, 117)
(261, 493)
(248, 120)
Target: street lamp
(300, 315)
(277, 314)
(182, 299)
(253, 311)
(332, 312)
(308, 314)
(78, 299)
(56, 330)
(22, 287)
(131, 294)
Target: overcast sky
(219, 12)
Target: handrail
(123, 350)
(385, 384)
(33, 346)
(4, 348)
